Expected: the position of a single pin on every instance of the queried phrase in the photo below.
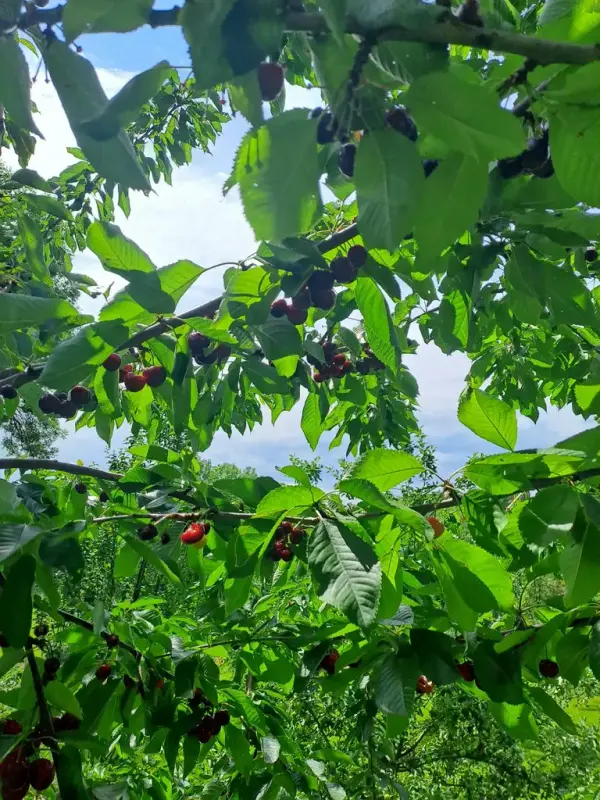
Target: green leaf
(117, 253)
(34, 248)
(435, 656)
(346, 571)
(69, 773)
(568, 298)
(574, 134)
(29, 177)
(15, 537)
(239, 748)
(524, 278)
(498, 673)
(265, 377)
(19, 311)
(365, 490)
(277, 170)
(549, 515)
(154, 560)
(386, 468)
(15, 84)
(75, 358)
(488, 417)
(201, 23)
(465, 116)
(100, 16)
(173, 281)
(395, 685)
(572, 654)
(580, 559)
(389, 181)
(83, 98)
(456, 190)
(279, 338)
(288, 498)
(62, 698)
(377, 321)
(551, 708)
(16, 604)
(517, 720)
(244, 96)
(480, 578)
(124, 107)
(237, 591)
(270, 749)
(311, 419)
(47, 205)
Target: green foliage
(300, 640)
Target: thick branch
(443, 30)
(57, 466)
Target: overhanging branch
(443, 30)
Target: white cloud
(192, 219)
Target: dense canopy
(170, 629)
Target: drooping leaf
(287, 498)
(439, 222)
(486, 576)
(377, 321)
(277, 170)
(83, 98)
(579, 560)
(15, 84)
(489, 418)
(498, 673)
(346, 571)
(311, 419)
(31, 236)
(395, 687)
(16, 604)
(124, 107)
(464, 115)
(389, 181)
(552, 709)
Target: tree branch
(441, 30)
(45, 716)
(57, 466)
(421, 508)
(83, 623)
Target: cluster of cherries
(194, 534)
(135, 381)
(287, 536)
(329, 129)
(318, 291)
(18, 773)
(210, 725)
(199, 344)
(63, 404)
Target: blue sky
(193, 220)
